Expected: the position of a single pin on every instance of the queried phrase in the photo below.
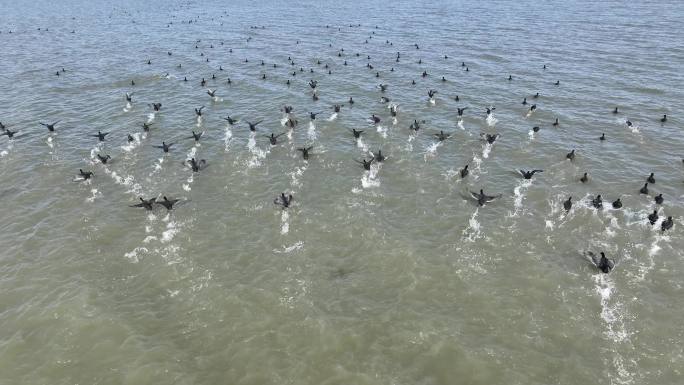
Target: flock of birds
(284, 200)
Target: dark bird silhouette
(196, 136)
(165, 147)
(168, 203)
(283, 200)
(50, 127)
(273, 138)
(100, 135)
(529, 174)
(252, 126)
(146, 204)
(482, 198)
(104, 159)
(567, 205)
(305, 152)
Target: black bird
(659, 199)
(464, 171)
(597, 202)
(442, 136)
(557, 82)
(292, 123)
(305, 151)
(273, 138)
(165, 147)
(644, 190)
(168, 203)
(379, 157)
(604, 264)
(230, 120)
(85, 174)
(482, 198)
(651, 178)
(524, 102)
(529, 174)
(536, 128)
(617, 204)
(100, 135)
(628, 123)
(489, 138)
(415, 126)
(336, 108)
(460, 110)
(195, 165)
(129, 97)
(146, 127)
(570, 155)
(195, 136)
(211, 92)
(156, 106)
(584, 178)
(287, 109)
(615, 111)
(536, 96)
(603, 137)
(490, 109)
(383, 87)
(366, 163)
(357, 134)
(283, 200)
(104, 159)
(198, 111)
(50, 127)
(431, 93)
(653, 218)
(533, 108)
(567, 205)
(375, 119)
(667, 224)
(252, 126)
(9, 133)
(312, 115)
(663, 119)
(131, 138)
(351, 100)
(147, 204)
(555, 123)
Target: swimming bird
(273, 138)
(442, 136)
(156, 106)
(211, 92)
(659, 199)
(287, 109)
(164, 146)
(9, 133)
(196, 136)
(351, 100)
(533, 108)
(584, 178)
(460, 110)
(490, 109)
(146, 127)
(230, 120)
(663, 119)
(379, 157)
(104, 159)
(252, 126)
(570, 155)
(524, 102)
(85, 174)
(283, 200)
(567, 205)
(482, 198)
(198, 111)
(604, 264)
(146, 204)
(653, 218)
(357, 134)
(195, 165)
(603, 137)
(431, 94)
(336, 108)
(383, 87)
(597, 202)
(415, 126)
(131, 138)
(100, 135)
(651, 178)
(129, 97)
(464, 171)
(536, 129)
(305, 152)
(644, 190)
(50, 127)
(667, 224)
(168, 203)
(366, 163)
(375, 119)
(555, 123)
(489, 138)
(615, 111)
(617, 204)
(529, 174)
(312, 115)
(557, 83)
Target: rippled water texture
(388, 276)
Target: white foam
(472, 232)
(382, 131)
(491, 120)
(312, 131)
(284, 224)
(133, 254)
(460, 124)
(288, 249)
(486, 149)
(227, 138)
(332, 117)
